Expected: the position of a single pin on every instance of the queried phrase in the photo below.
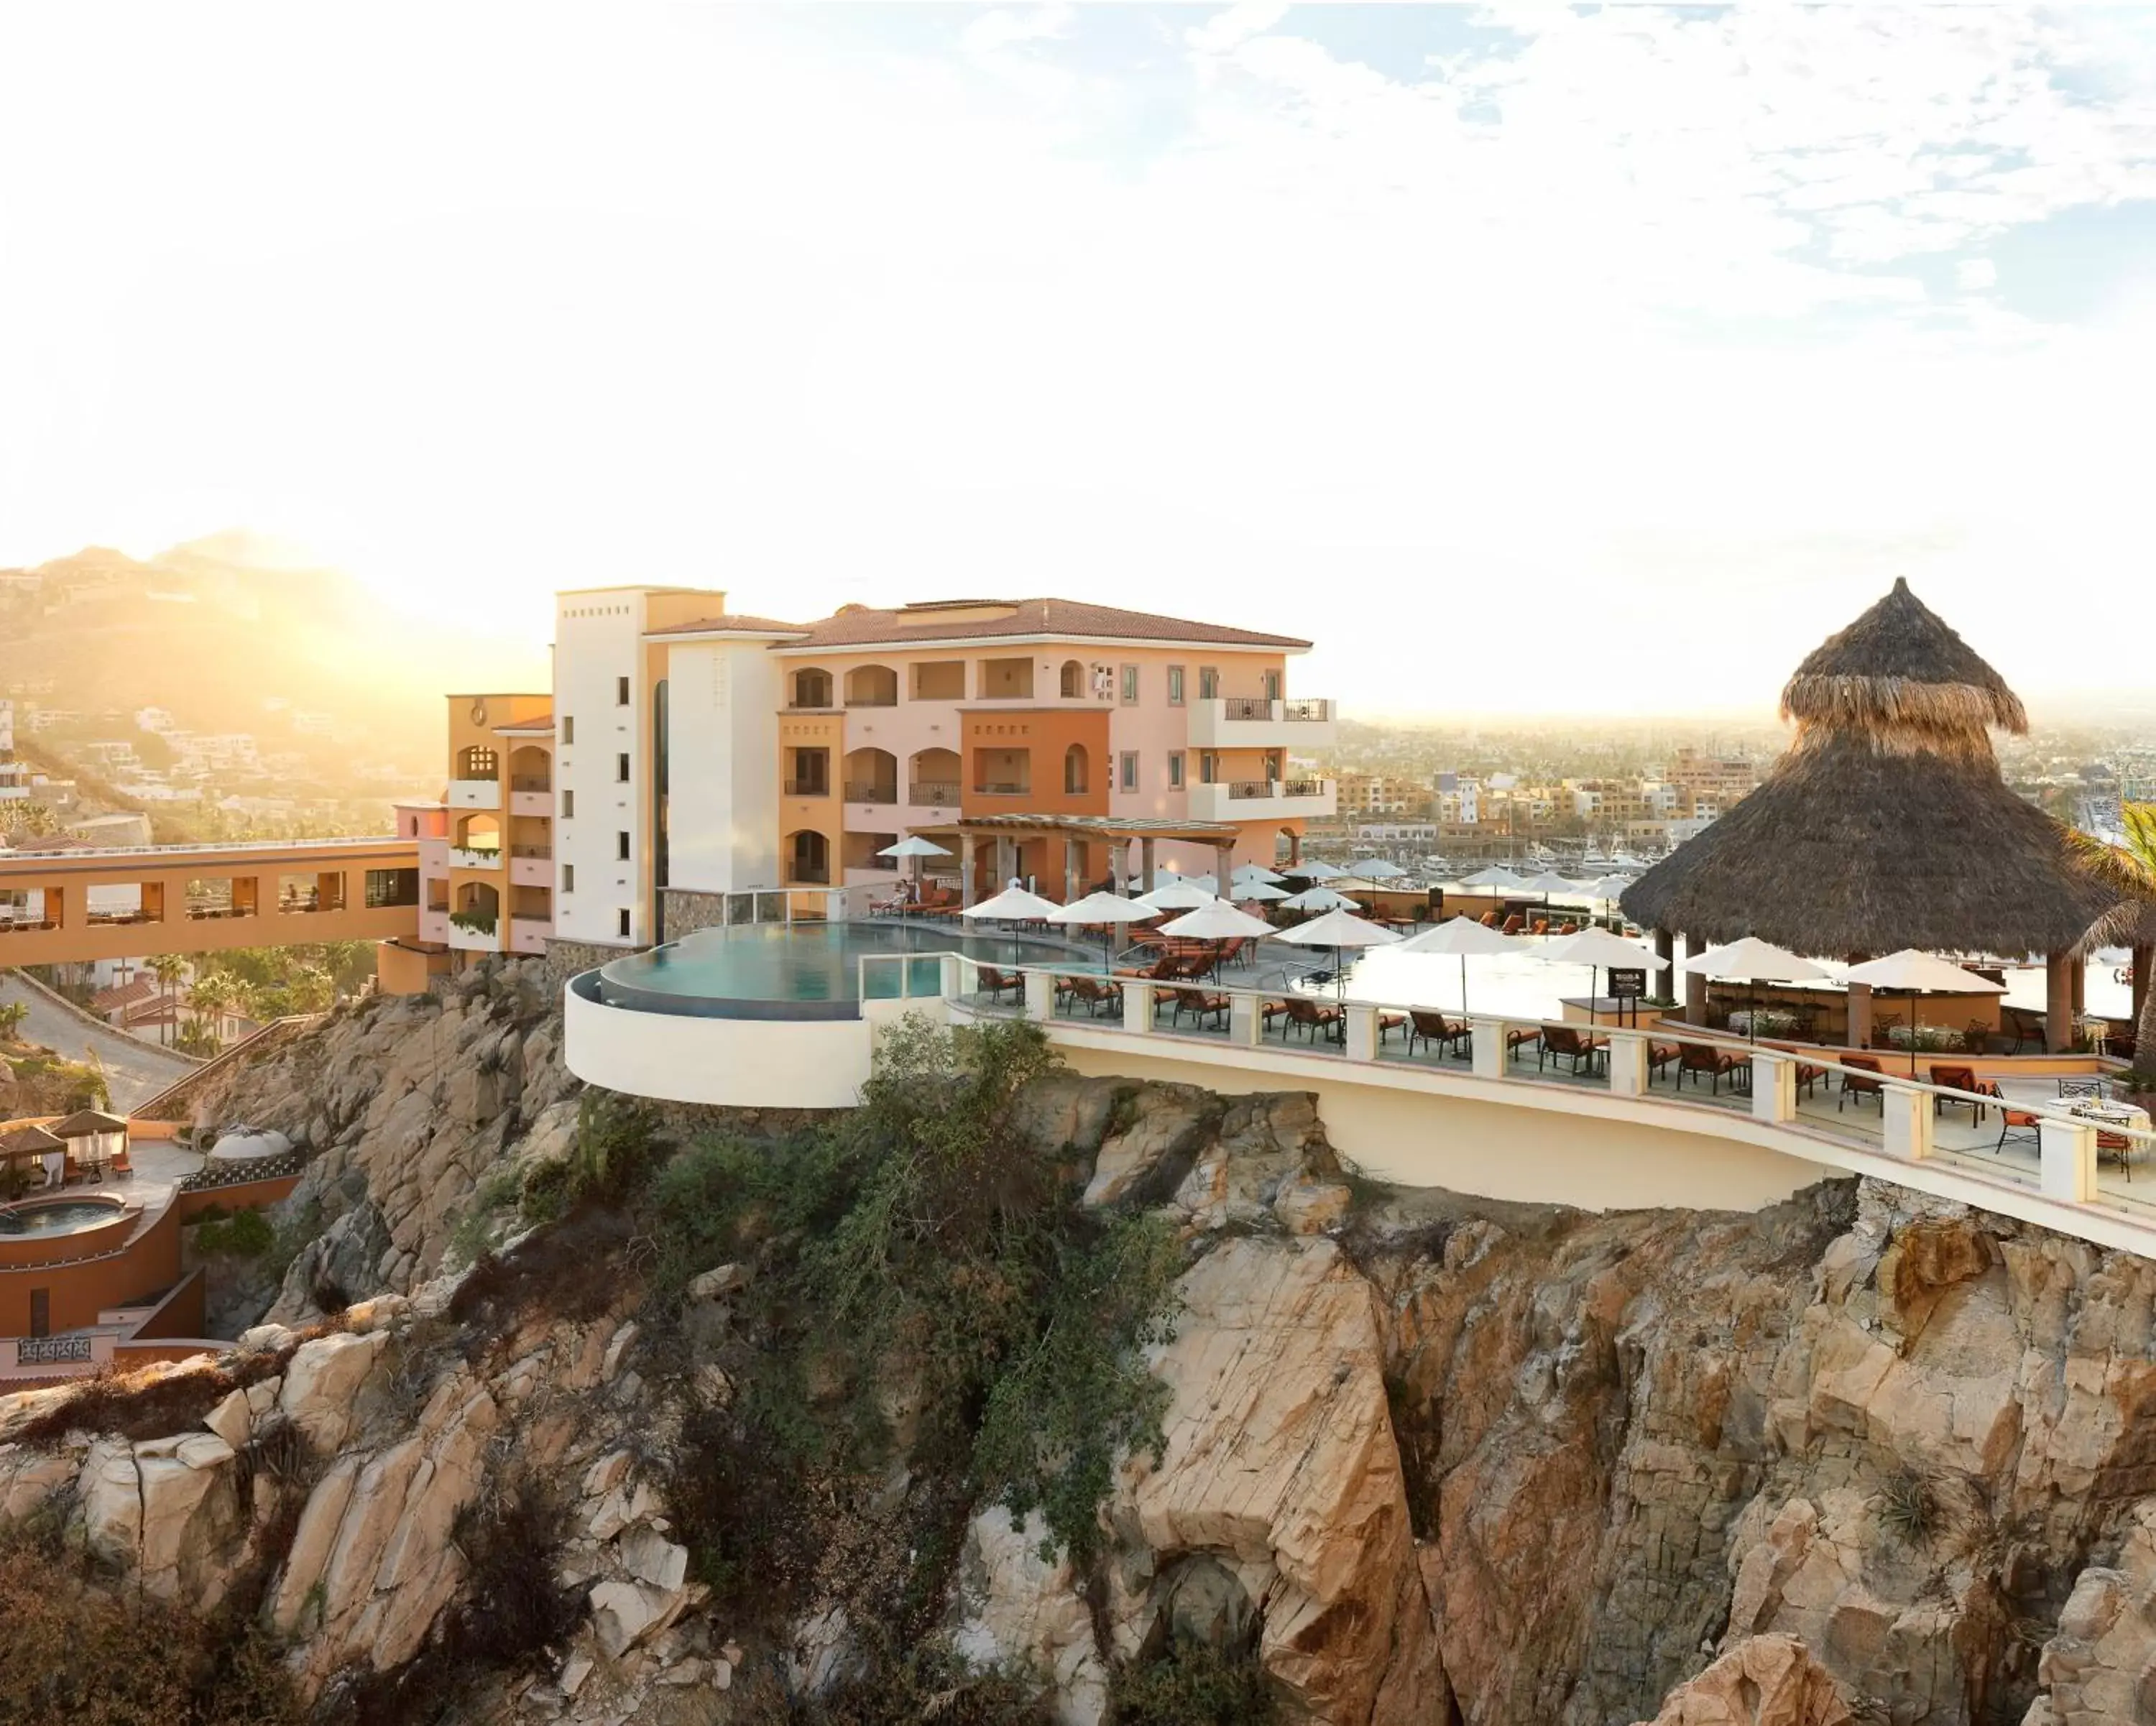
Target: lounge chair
(995, 984)
(1561, 1043)
(1958, 1078)
(1093, 994)
(1311, 1019)
(1518, 1037)
(1199, 1003)
(1388, 1023)
(1660, 1055)
(1488, 919)
(1807, 1077)
(1513, 926)
(1716, 1063)
(1854, 1083)
(1436, 1028)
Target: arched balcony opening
(932, 779)
(809, 856)
(1076, 776)
(871, 777)
(872, 686)
(477, 760)
(478, 833)
(530, 769)
(812, 687)
(1071, 684)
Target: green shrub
(1191, 1684)
(245, 1234)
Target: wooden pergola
(1009, 831)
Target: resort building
(14, 775)
(701, 752)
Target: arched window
(812, 687)
(477, 762)
(811, 856)
(1074, 768)
(1073, 680)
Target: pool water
(63, 1217)
(805, 971)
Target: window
(1175, 770)
(1130, 770)
(568, 728)
(1208, 682)
(1074, 770)
(621, 768)
(621, 692)
(621, 847)
(1175, 686)
(568, 877)
(1130, 686)
(622, 922)
(477, 762)
(568, 803)
(1272, 686)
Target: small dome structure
(241, 1145)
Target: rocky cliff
(1422, 1459)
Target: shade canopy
(1549, 881)
(1338, 929)
(1609, 890)
(1256, 872)
(1599, 947)
(1886, 825)
(1461, 935)
(1377, 868)
(1260, 890)
(1913, 972)
(1496, 875)
(913, 845)
(1313, 870)
(1013, 904)
(1219, 921)
(1317, 899)
(86, 1123)
(1102, 908)
(29, 1141)
(1752, 960)
(1177, 896)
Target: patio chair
(1488, 919)
(2024, 1027)
(1513, 925)
(122, 1169)
(1715, 1064)
(2084, 1088)
(1541, 926)
(1882, 1024)
(2013, 1123)
(1309, 1019)
(1660, 1056)
(1436, 1028)
(2116, 1144)
(1560, 1043)
(1200, 1003)
(995, 984)
(1808, 1077)
(1388, 1023)
(1568, 928)
(1854, 1083)
(1092, 994)
(1518, 1037)
(1958, 1078)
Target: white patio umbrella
(1752, 960)
(1497, 876)
(1256, 872)
(1607, 890)
(1912, 973)
(1599, 949)
(1177, 896)
(1317, 899)
(1111, 909)
(1218, 923)
(1464, 936)
(1315, 870)
(1256, 890)
(1339, 931)
(1013, 904)
(1547, 883)
(1377, 868)
(916, 847)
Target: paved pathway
(133, 1069)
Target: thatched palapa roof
(1887, 824)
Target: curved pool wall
(806, 971)
(57, 1217)
(688, 1025)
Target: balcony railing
(933, 793)
(807, 788)
(860, 792)
(538, 851)
(871, 700)
(527, 782)
(1306, 712)
(50, 1350)
(1003, 788)
(1241, 790)
(475, 922)
(1247, 707)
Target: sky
(1528, 358)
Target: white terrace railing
(2038, 1145)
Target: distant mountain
(239, 632)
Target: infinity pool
(61, 1217)
(808, 970)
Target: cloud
(1973, 275)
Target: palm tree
(170, 971)
(215, 994)
(12, 1015)
(2130, 865)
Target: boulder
(1763, 1680)
(321, 1381)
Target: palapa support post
(1223, 868)
(1859, 1034)
(1146, 882)
(1695, 1007)
(2059, 1002)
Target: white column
(1245, 1023)
(1908, 1123)
(1040, 995)
(1627, 1064)
(1137, 1007)
(2069, 1160)
(1773, 1088)
(1362, 1029)
(1489, 1047)
(953, 979)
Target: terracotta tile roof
(863, 625)
(127, 994)
(736, 620)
